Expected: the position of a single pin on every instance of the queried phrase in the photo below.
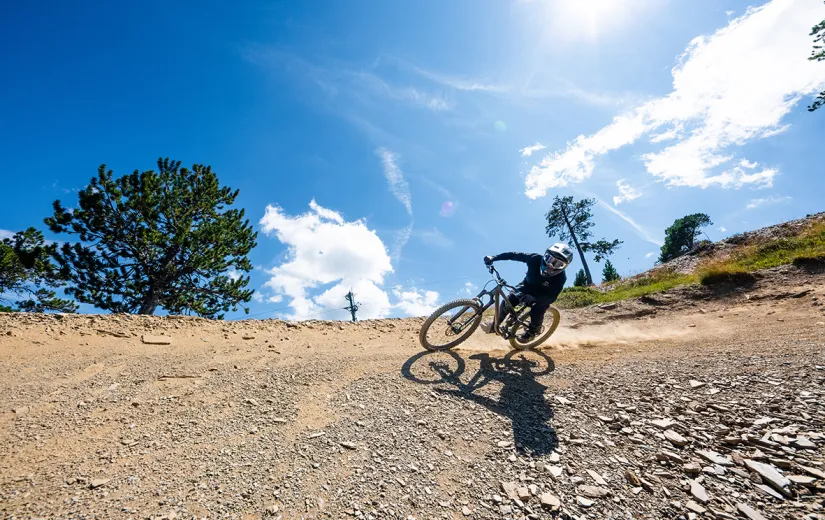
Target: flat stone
(801, 480)
(554, 457)
(593, 491)
(562, 400)
(510, 489)
(669, 456)
(818, 473)
(596, 477)
(550, 501)
(803, 443)
(762, 421)
(523, 493)
(466, 511)
(769, 491)
(156, 340)
(98, 482)
(698, 492)
(349, 445)
(696, 508)
(504, 444)
(692, 469)
(555, 471)
(583, 502)
(749, 512)
(663, 424)
(714, 458)
(771, 475)
(676, 439)
(696, 384)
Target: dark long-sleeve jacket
(544, 289)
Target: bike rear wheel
(450, 325)
(548, 327)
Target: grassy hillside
(804, 244)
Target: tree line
(169, 239)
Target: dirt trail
(647, 410)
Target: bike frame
(495, 299)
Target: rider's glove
(488, 260)
(528, 300)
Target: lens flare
(447, 208)
(501, 126)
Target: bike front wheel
(548, 327)
(450, 325)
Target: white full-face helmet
(556, 259)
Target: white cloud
(640, 231)
(527, 151)
(469, 288)
(234, 274)
(744, 163)
(729, 88)
(650, 255)
(325, 249)
(257, 297)
(626, 192)
(767, 201)
(329, 256)
(722, 229)
(414, 302)
(395, 178)
(5, 233)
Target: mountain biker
(542, 284)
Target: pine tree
(609, 273)
(27, 275)
(681, 236)
(818, 54)
(571, 221)
(581, 279)
(156, 239)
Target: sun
(588, 19)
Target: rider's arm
(518, 257)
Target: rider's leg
(503, 310)
(537, 316)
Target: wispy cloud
(402, 236)
(5, 233)
(729, 88)
(459, 83)
(651, 254)
(395, 178)
(640, 231)
(767, 201)
(433, 237)
(417, 96)
(722, 229)
(527, 151)
(626, 192)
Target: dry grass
(807, 248)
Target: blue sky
(389, 146)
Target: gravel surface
(688, 405)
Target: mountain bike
(453, 323)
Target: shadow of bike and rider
(521, 398)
